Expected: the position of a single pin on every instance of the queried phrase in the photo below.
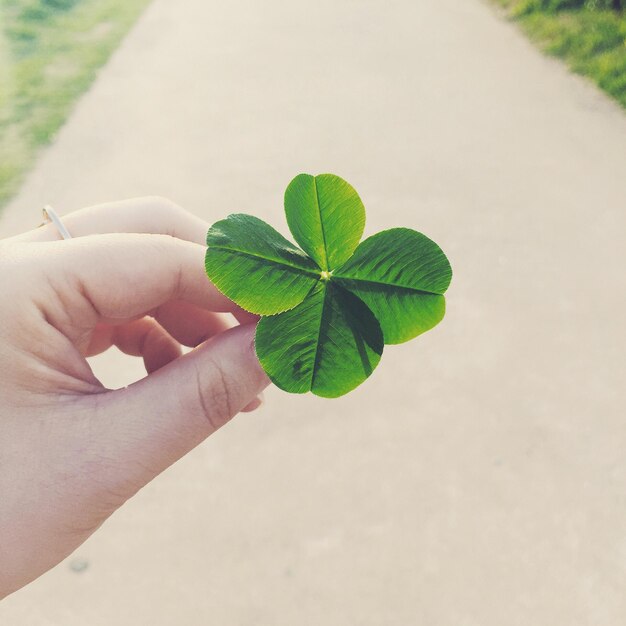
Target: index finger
(121, 276)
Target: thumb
(152, 423)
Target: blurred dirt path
(479, 478)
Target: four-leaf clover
(329, 307)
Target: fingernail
(255, 404)
(252, 327)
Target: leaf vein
(269, 260)
(388, 284)
(319, 211)
(317, 343)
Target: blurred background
(479, 477)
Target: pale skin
(71, 451)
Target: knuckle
(215, 395)
(167, 245)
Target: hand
(71, 451)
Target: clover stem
(325, 276)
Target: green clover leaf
(328, 308)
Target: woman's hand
(72, 452)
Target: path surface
(479, 479)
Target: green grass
(588, 34)
(50, 52)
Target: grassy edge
(39, 91)
(591, 43)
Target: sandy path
(479, 478)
